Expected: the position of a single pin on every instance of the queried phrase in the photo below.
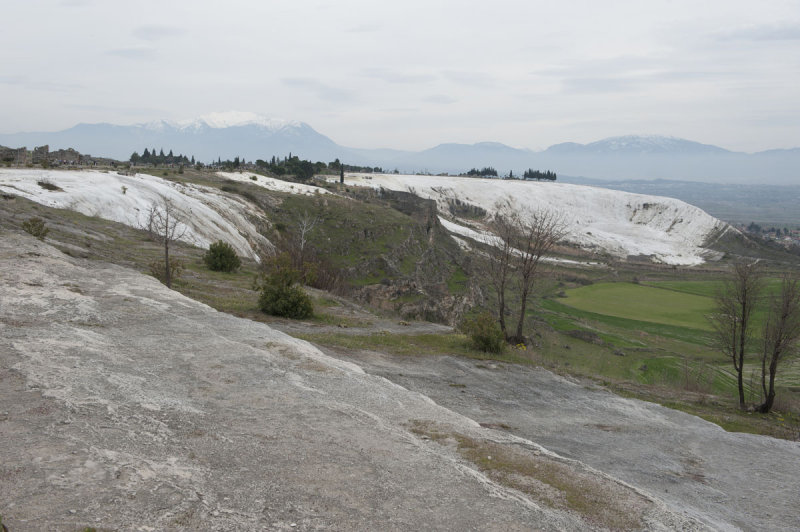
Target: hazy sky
(414, 74)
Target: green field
(664, 323)
(710, 289)
(644, 303)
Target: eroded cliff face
(598, 220)
(128, 406)
(426, 275)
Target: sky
(414, 74)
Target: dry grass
(556, 483)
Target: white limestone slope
(622, 224)
(273, 184)
(208, 214)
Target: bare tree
(150, 221)
(781, 335)
(534, 238)
(732, 319)
(304, 227)
(164, 225)
(500, 265)
(523, 241)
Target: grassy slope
(667, 356)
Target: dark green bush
(285, 301)
(36, 227)
(280, 294)
(221, 257)
(484, 332)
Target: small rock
(215, 513)
(73, 512)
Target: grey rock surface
(726, 480)
(127, 406)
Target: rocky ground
(726, 480)
(126, 406)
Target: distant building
(67, 157)
(41, 155)
(16, 156)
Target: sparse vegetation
(546, 479)
(484, 332)
(36, 227)
(159, 271)
(48, 185)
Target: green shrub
(35, 226)
(484, 332)
(280, 294)
(221, 257)
(286, 301)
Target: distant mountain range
(250, 136)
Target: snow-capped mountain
(617, 158)
(638, 144)
(233, 119)
(251, 136)
(216, 135)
